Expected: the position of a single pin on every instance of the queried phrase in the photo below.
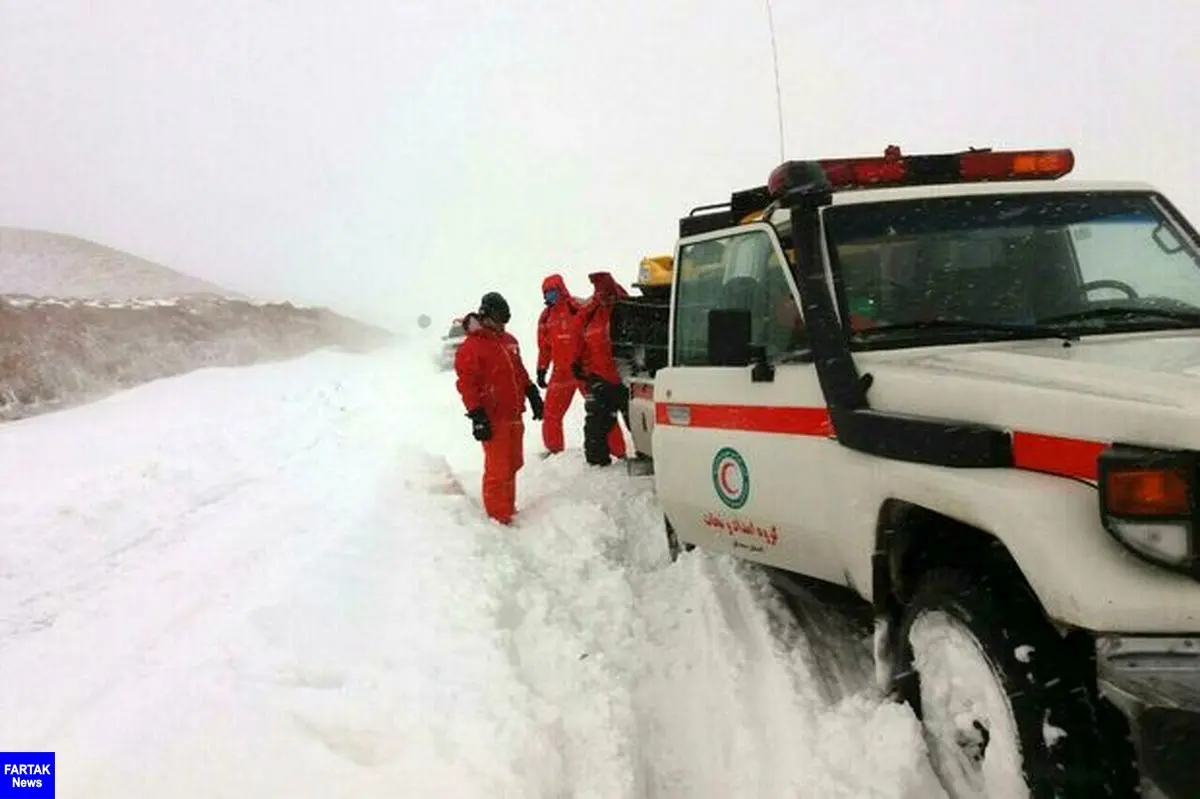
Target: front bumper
(1155, 683)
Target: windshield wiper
(1128, 314)
(968, 325)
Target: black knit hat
(495, 307)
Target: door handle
(679, 415)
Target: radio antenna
(775, 61)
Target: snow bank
(296, 594)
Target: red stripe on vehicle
(1067, 457)
(1064, 457)
(755, 418)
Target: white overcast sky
(389, 158)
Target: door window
(738, 271)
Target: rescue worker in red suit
(593, 363)
(555, 351)
(494, 385)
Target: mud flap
(639, 466)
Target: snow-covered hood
(1135, 388)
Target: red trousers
(503, 457)
(559, 394)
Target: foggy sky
(392, 158)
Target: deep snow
(277, 581)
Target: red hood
(606, 285)
(564, 297)
(555, 282)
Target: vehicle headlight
(1148, 502)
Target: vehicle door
(742, 464)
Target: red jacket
(491, 375)
(554, 331)
(593, 343)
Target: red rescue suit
(593, 363)
(555, 351)
(492, 377)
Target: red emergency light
(895, 169)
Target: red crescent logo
(725, 467)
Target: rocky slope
(79, 321)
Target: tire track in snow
(106, 488)
(192, 588)
(414, 692)
(155, 594)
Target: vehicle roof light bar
(894, 169)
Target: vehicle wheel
(674, 547)
(1005, 705)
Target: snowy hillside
(78, 321)
(42, 264)
(277, 581)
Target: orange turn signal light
(1148, 492)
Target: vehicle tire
(995, 687)
(674, 547)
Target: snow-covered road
(271, 582)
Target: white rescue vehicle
(968, 393)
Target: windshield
(967, 268)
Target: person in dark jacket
(494, 386)
(593, 363)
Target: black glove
(541, 378)
(597, 388)
(481, 428)
(613, 395)
(535, 401)
(577, 370)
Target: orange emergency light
(896, 169)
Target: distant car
(450, 344)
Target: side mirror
(729, 337)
